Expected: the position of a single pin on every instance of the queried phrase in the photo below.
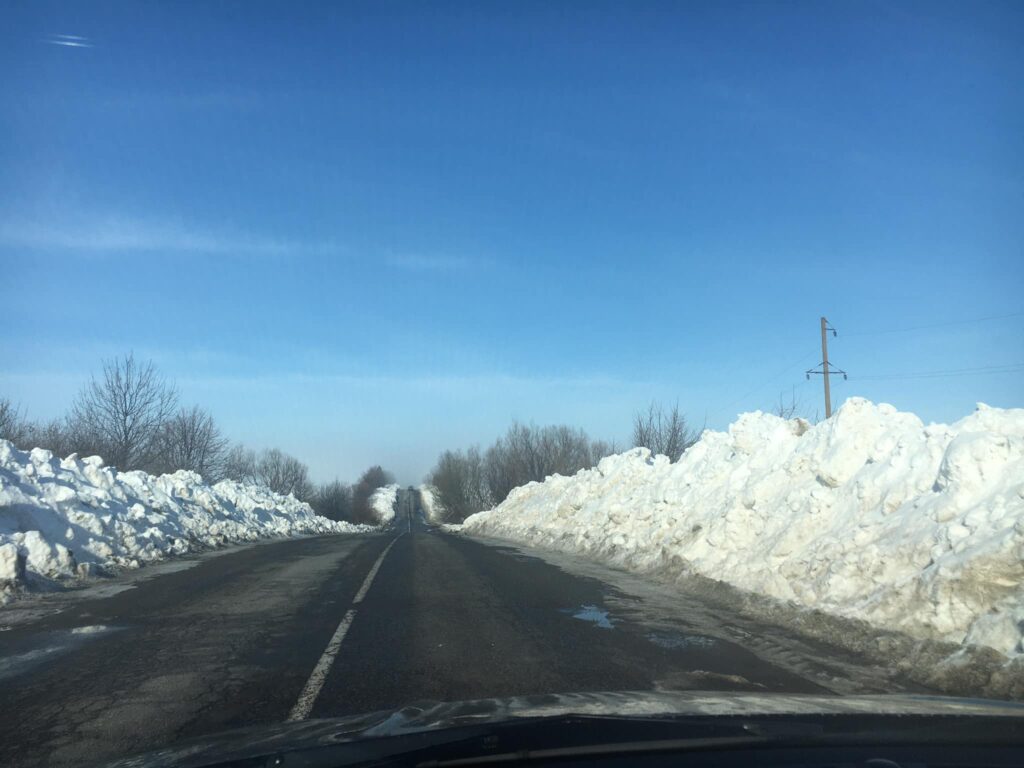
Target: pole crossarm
(831, 369)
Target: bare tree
(460, 482)
(191, 440)
(56, 436)
(786, 410)
(599, 449)
(478, 494)
(502, 469)
(124, 411)
(13, 425)
(471, 481)
(530, 453)
(283, 474)
(663, 431)
(564, 450)
(81, 438)
(513, 460)
(372, 479)
(240, 464)
(333, 500)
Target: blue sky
(365, 232)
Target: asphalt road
(330, 626)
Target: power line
(936, 325)
(953, 372)
(985, 369)
(797, 364)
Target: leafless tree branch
(663, 431)
(124, 411)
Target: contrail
(72, 41)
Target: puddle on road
(674, 641)
(593, 614)
(89, 630)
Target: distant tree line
(340, 501)
(130, 415)
(472, 480)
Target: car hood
(438, 716)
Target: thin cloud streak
(69, 41)
(84, 232)
(116, 234)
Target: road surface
(329, 626)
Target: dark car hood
(438, 716)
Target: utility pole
(825, 366)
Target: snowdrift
(64, 518)
(431, 508)
(870, 515)
(382, 502)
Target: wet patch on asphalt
(46, 645)
(593, 614)
(673, 640)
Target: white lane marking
(318, 677)
(316, 680)
(373, 572)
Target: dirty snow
(62, 519)
(870, 515)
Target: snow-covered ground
(62, 519)
(382, 502)
(870, 515)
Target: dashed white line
(316, 680)
(373, 572)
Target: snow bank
(870, 515)
(61, 519)
(382, 502)
(431, 506)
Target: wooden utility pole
(824, 366)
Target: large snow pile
(61, 518)
(431, 506)
(382, 502)
(871, 515)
